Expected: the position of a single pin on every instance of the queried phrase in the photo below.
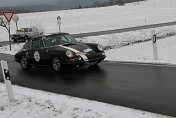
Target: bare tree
(4, 23)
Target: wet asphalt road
(145, 87)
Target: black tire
(15, 40)
(24, 63)
(56, 64)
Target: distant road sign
(15, 18)
(58, 20)
(8, 15)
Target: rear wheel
(24, 63)
(56, 64)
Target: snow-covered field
(98, 19)
(30, 103)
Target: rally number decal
(37, 56)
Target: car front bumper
(84, 63)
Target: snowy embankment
(30, 103)
(99, 19)
(118, 40)
(143, 52)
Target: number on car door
(37, 51)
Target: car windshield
(64, 39)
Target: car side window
(52, 41)
(37, 43)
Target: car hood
(77, 46)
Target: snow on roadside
(30, 103)
(143, 52)
(15, 48)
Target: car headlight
(100, 47)
(69, 54)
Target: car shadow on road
(68, 76)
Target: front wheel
(24, 63)
(56, 64)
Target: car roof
(49, 34)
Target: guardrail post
(154, 41)
(6, 75)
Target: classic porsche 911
(59, 50)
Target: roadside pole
(15, 18)
(9, 36)
(16, 25)
(6, 75)
(59, 22)
(154, 41)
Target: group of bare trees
(4, 9)
(116, 2)
(122, 2)
(109, 3)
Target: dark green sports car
(59, 50)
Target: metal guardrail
(123, 30)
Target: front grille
(93, 54)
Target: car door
(37, 52)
